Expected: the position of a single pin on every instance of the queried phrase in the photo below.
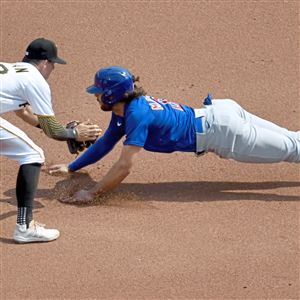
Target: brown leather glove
(75, 147)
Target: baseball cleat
(36, 232)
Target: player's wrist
(71, 133)
(70, 170)
(75, 131)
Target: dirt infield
(179, 227)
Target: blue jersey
(157, 125)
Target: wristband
(71, 133)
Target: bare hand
(80, 197)
(87, 131)
(83, 196)
(60, 169)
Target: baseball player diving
(24, 90)
(221, 126)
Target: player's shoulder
(30, 73)
(138, 106)
(15, 66)
(23, 67)
(21, 70)
(137, 109)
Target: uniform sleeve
(137, 127)
(38, 95)
(100, 148)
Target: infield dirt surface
(179, 227)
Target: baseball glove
(75, 146)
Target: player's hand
(80, 197)
(60, 169)
(87, 131)
(83, 196)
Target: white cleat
(35, 233)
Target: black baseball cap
(43, 49)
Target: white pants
(16, 145)
(233, 133)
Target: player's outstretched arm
(59, 169)
(118, 172)
(53, 129)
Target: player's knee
(294, 151)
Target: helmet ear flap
(115, 93)
(107, 97)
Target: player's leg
(27, 182)
(255, 120)
(259, 145)
(16, 145)
(237, 138)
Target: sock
(21, 218)
(27, 182)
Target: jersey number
(157, 104)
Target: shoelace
(37, 224)
(38, 228)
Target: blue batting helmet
(112, 82)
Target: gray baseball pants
(233, 133)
